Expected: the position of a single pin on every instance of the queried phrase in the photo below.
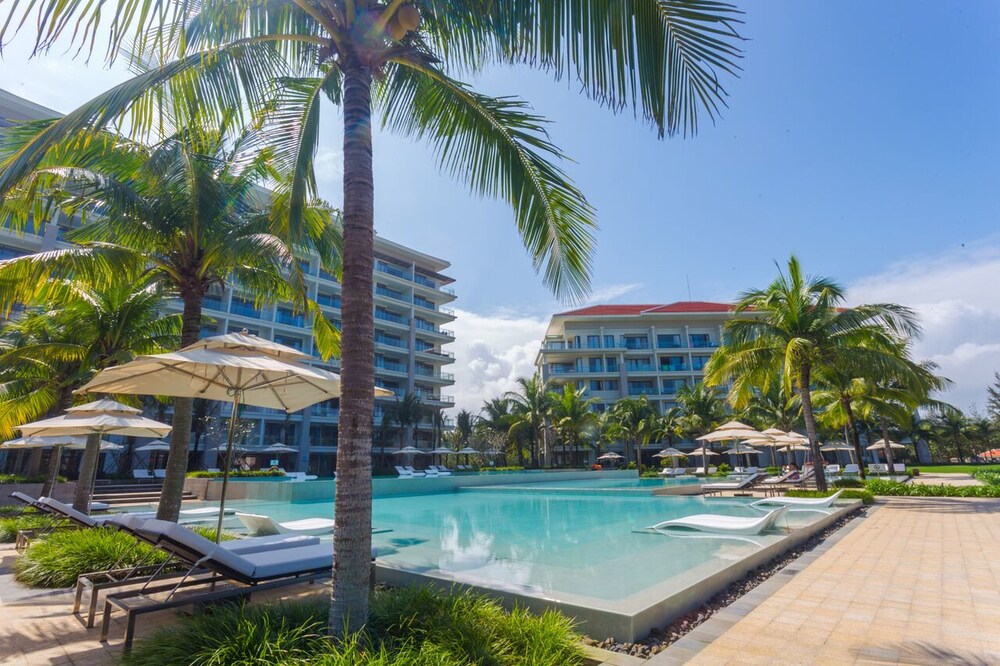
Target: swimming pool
(576, 545)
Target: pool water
(558, 546)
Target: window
(701, 340)
(641, 388)
(609, 341)
(243, 307)
(289, 318)
(638, 365)
(671, 386)
(596, 365)
(672, 363)
(668, 340)
(611, 363)
(593, 342)
(603, 384)
(288, 341)
(635, 342)
(699, 362)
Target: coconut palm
(670, 425)
(702, 408)
(794, 325)
(637, 423)
(952, 427)
(572, 418)
(465, 423)
(532, 405)
(405, 413)
(57, 346)
(189, 212)
(664, 57)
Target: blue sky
(861, 136)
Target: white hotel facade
(411, 296)
(617, 351)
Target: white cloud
(956, 297)
(491, 352)
(328, 165)
(611, 292)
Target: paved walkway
(915, 582)
(937, 479)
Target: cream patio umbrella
(837, 447)
(732, 430)
(670, 452)
(101, 417)
(237, 367)
(880, 445)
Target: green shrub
(848, 483)
(507, 468)
(897, 489)
(866, 497)
(723, 470)
(774, 471)
(990, 477)
(243, 473)
(60, 557)
(407, 627)
(34, 478)
(10, 525)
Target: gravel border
(661, 638)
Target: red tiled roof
(620, 310)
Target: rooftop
(635, 310)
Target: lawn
(951, 469)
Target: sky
(860, 136)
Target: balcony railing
(437, 352)
(391, 367)
(391, 316)
(328, 300)
(389, 269)
(674, 367)
(642, 390)
(244, 309)
(558, 370)
(212, 303)
(638, 367)
(389, 293)
(391, 342)
(289, 318)
(633, 343)
(425, 281)
(704, 344)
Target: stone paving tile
(916, 582)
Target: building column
(304, 441)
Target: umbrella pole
(57, 457)
(229, 464)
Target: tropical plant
(74, 331)
(187, 211)
(951, 426)
(405, 413)
(465, 423)
(573, 420)
(663, 57)
(670, 425)
(637, 422)
(532, 403)
(794, 325)
(702, 408)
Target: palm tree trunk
(180, 436)
(889, 458)
(855, 435)
(807, 414)
(352, 535)
(88, 470)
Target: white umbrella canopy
(836, 446)
(73, 442)
(278, 447)
(610, 455)
(467, 451)
(155, 445)
(669, 452)
(105, 417)
(408, 450)
(442, 451)
(237, 367)
(741, 450)
(880, 444)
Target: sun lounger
(743, 484)
(783, 478)
(832, 469)
(668, 471)
(714, 523)
(118, 576)
(159, 473)
(230, 574)
(264, 525)
(407, 472)
(899, 468)
(214, 470)
(813, 503)
(439, 470)
(142, 475)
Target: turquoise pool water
(556, 546)
(636, 485)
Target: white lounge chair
(405, 473)
(712, 522)
(832, 469)
(159, 473)
(742, 484)
(811, 502)
(699, 471)
(298, 477)
(781, 478)
(439, 470)
(751, 470)
(899, 468)
(258, 525)
(852, 469)
(418, 472)
(142, 475)
(213, 470)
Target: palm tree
(405, 413)
(981, 431)
(75, 331)
(532, 405)
(670, 425)
(572, 417)
(663, 56)
(495, 422)
(465, 423)
(952, 426)
(187, 210)
(794, 325)
(637, 422)
(702, 409)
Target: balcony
(389, 269)
(424, 281)
(391, 293)
(289, 318)
(559, 370)
(327, 275)
(244, 308)
(704, 344)
(642, 390)
(328, 300)
(635, 343)
(212, 302)
(560, 346)
(391, 317)
(674, 367)
(391, 342)
(437, 352)
(638, 367)
(390, 366)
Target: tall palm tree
(637, 422)
(75, 331)
(465, 423)
(670, 425)
(794, 325)
(665, 57)
(189, 212)
(702, 409)
(405, 413)
(572, 417)
(532, 405)
(495, 422)
(952, 426)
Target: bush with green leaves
(990, 477)
(20, 478)
(774, 471)
(866, 497)
(896, 489)
(243, 473)
(60, 557)
(848, 483)
(723, 470)
(407, 627)
(32, 520)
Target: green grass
(56, 560)
(865, 496)
(896, 489)
(407, 627)
(990, 477)
(951, 469)
(10, 525)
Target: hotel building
(411, 292)
(618, 351)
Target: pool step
(134, 495)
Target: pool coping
(686, 647)
(620, 623)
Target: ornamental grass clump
(896, 489)
(407, 627)
(10, 525)
(60, 557)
